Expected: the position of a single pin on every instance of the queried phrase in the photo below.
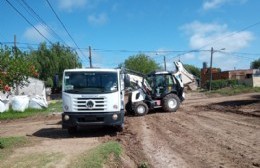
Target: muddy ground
(205, 132)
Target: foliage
(192, 69)
(15, 68)
(239, 89)
(222, 83)
(8, 143)
(35, 159)
(100, 155)
(53, 60)
(53, 107)
(143, 165)
(255, 64)
(49, 82)
(141, 63)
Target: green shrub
(218, 84)
(11, 114)
(100, 156)
(49, 82)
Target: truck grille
(90, 104)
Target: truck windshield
(90, 82)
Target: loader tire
(140, 109)
(170, 103)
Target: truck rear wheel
(170, 103)
(140, 109)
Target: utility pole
(14, 44)
(164, 60)
(90, 58)
(15, 52)
(211, 59)
(210, 77)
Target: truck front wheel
(140, 109)
(120, 128)
(72, 130)
(129, 109)
(170, 103)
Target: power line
(64, 27)
(231, 34)
(27, 21)
(2, 37)
(236, 55)
(219, 39)
(32, 12)
(242, 53)
(137, 51)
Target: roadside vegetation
(53, 107)
(230, 87)
(229, 91)
(8, 144)
(34, 160)
(105, 154)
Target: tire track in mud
(158, 151)
(195, 137)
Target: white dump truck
(93, 97)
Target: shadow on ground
(237, 103)
(243, 107)
(57, 133)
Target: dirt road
(206, 132)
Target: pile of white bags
(20, 103)
(38, 102)
(4, 105)
(32, 95)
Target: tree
(15, 68)
(255, 64)
(192, 69)
(51, 61)
(141, 63)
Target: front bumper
(84, 119)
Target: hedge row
(218, 84)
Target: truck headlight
(66, 117)
(114, 116)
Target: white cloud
(32, 35)
(71, 4)
(99, 19)
(212, 4)
(207, 35)
(216, 35)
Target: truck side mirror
(127, 81)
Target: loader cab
(162, 83)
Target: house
(250, 77)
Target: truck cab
(92, 97)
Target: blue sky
(117, 29)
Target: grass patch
(7, 144)
(11, 114)
(236, 90)
(143, 165)
(107, 153)
(34, 160)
